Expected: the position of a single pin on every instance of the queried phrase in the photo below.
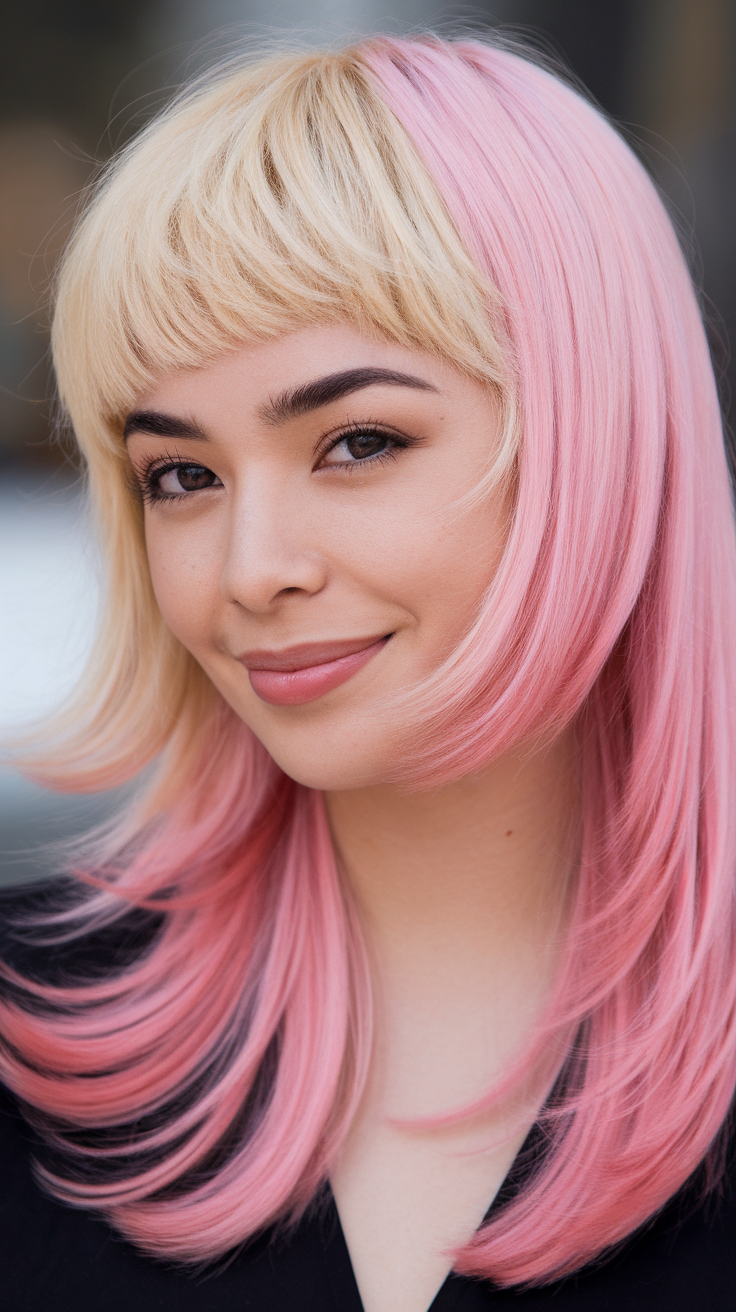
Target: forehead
(265, 378)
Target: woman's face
(303, 539)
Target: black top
(54, 1258)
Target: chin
(328, 748)
(322, 761)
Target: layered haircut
(459, 198)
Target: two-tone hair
(459, 198)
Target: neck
(462, 895)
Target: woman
(400, 422)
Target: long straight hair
(460, 198)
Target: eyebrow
(312, 396)
(287, 405)
(160, 425)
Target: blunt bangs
(272, 195)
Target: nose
(272, 553)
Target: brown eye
(362, 445)
(185, 478)
(193, 477)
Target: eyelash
(400, 442)
(147, 480)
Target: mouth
(304, 673)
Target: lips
(303, 673)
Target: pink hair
(238, 1043)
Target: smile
(301, 674)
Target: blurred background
(79, 77)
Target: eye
(185, 478)
(165, 482)
(364, 445)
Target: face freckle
(312, 536)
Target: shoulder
(683, 1260)
(54, 1256)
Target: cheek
(412, 550)
(449, 567)
(185, 582)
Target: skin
(301, 538)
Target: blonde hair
(277, 193)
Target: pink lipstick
(301, 674)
